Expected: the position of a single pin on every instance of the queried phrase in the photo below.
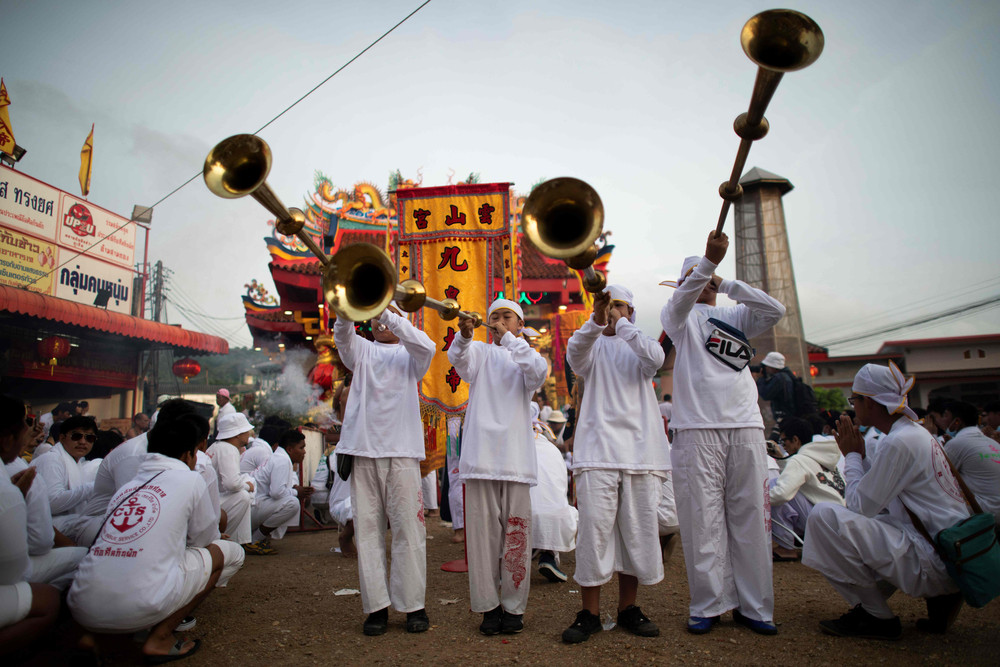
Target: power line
(185, 183)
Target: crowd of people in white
(133, 541)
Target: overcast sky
(890, 138)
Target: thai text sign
(24, 259)
(450, 239)
(82, 278)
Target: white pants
(854, 551)
(497, 544)
(339, 502)
(618, 527)
(456, 499)
(57, 567)
(276, 514)
(723, 508)
(237, 509)
(387, 491)
(429, 487)
(666, 513)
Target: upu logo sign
(78, 219)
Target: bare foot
(785, 554)
(459, 536)
(432, 513)
(346, 541)
(157, 645)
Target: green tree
(830, 399)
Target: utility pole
(157, 307)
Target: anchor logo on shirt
(132, 509)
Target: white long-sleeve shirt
(133, 574)
(206, 469)
(15, 566)
(253, 459)
(811, 471)
(382, 418)
(62, 476)
(226, 459)
(117, 469)
(41, 534)
(977, 459)
(497, 440)
(910, 466)
(620, 426)
(276, 479)
(708, 394)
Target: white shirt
(382, 418)
(63, 479)
(619, 426)
(15, 566)
(276, 479)
(497, 440)
(911, 466)
(665, 409)
(708, 394)
(116, 469)
(226, 409)
(41, 534)
(226, 459)
(811, 471)
(255, 456)
(134, 570)
(977, 459)
(204, 467)
(46, 421)
(43, 448)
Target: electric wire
(195, 176)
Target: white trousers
(666, 513)
(237, 509)
(618, 527)
(854, 551)
(429, 486)
(456, 499)
(276, 514)
(386, 492)
(723, 508)
(498, 544)
(57, 567)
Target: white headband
(885, 386)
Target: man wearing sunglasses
(61, 471)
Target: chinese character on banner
(454, 237)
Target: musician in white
(858, 545)
(62, 475)
(620, 461)
(718, 451)
(383, 432)
(497, 463)
(235, 488)
(279, 495)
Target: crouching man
(858, 545)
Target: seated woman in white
(278, 494)
(235, 488)
(62, 473)
(158, 554)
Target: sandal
(175, 653)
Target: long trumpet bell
(563, 217)
(778, 41)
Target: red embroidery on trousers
(767, 506)
(516, 544)
(420, 506)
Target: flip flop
(175, 653)
(778, 558)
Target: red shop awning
(45, 307)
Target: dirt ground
(281, 610)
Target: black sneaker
(586, 624)
(547, 568)
(511, 624)
(859, 623)
(632, 619)
(417, 621)
(941, 613)
(491, 622)
(376, 623)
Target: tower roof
(758, 176)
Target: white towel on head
(686, 269)
(886, 386)
(623, 294)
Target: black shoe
(547, 568)
(376, 623)
(492, 621)
(859, 623)
(511, 624)
(586, 624)
(632, 619)
(941, 613)
(417, 621)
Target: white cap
(505, 303)
(232, 425)
(774, 360)
(623, 294)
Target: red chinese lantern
(53, 348)
(813, 371)
(186, 368)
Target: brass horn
(563, 218)
(778, 41)
(360, 280)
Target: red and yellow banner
(87, 162)
(6, 133)
(456, 240)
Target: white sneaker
(186, 624)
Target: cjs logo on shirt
(133, 518)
